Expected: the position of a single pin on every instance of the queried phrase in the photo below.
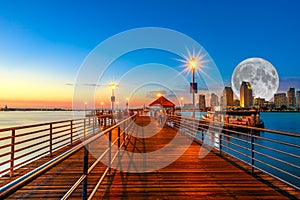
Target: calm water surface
(21, 118)
(285, 121)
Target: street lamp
(181, 102)
(102, 103)
(85, 103)
(193, 63)
(113, 98)
(127, 103)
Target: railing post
(12, 153)
(84, 129)
(119, 137)
(109, 152)
(252, 152)
(85, 172)
(51, 142)
(124, 130)
(71, 132)
(220, 143)
(93, 125)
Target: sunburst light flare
(194, 61)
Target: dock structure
(80, 175)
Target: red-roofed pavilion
(165, 103)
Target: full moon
(261, 74)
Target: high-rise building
(214, 100)
(228, 96)
(202, 104)
(292, 97)
(280, 100)
(246, 97)
(298, 99)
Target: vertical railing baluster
(109, 152)
(71, 132)
(85, 172)
(12, 153)
(124, 131)
(220, 144)
(119, 137)
(51, 142)
(84, 131)
(252, 152)
(93, 125)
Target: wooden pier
(212, 177)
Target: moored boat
(244, 118)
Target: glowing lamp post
(127, 103)
(193, 63)
(113, 98)
(181, 102)
(102, 103)
(85, 103)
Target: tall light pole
(127, 103)
(181, 102)
(102, 103)
(113, 98)
(85, 103)
(192, 65)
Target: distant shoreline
(62, 109)
(274, 111)
(35, 109)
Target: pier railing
(123, 129)
(24, 144)
(272, 152)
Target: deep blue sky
(54, 37)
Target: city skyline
(44, 44)
(289, 98)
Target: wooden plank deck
(212, 177)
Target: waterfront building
(228, 96)
(298, 99)
(201, 103)
(280, 100)
(187, 106)
(259, 101)
(236, 102)
(246, 97)
(292, 97)
(214, 100)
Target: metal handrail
(248, 142)
(55, 135)
(11, 187)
